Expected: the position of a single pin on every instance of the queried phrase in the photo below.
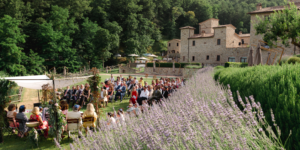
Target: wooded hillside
(36, 35)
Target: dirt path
(30, 96)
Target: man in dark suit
(67, 94)
(73, 96)
(121, 90)
(130, 87)
(139, 90)
(165, 92)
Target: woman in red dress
(134, 96)
(43, 124)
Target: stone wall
(126, 69)
(172, 45)
(186, 73)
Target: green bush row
(170, 65)
(236, 64)
(193, 66)
(293, 60)
(275, 87)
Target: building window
(244, 59)
(207, 57)
(231, 59)
(204, 42)
(169, 44)
(177, 44)
(193, 58)
(218, 57)
(173, 51)
(183, 58)
(219, 42)
(194, 43)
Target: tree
(54, 39)
(281, 26)
(33, 63)
(10, 52)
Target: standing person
(143, 96)
(103, 96)
(111, 120)
(165, 92)
(121, 91)
(23, 129)
(42, 124)
(134, 96)
(112, 79)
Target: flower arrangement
(200, 115)
(57, 121)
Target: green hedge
(193, 66)
(275, 87)
(236, 64)
(170, 65)
(293, 60)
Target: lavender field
(201, 115)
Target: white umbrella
(152, 55)
(133, 55)
(118, 55)
(142, 58)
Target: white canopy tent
(36, 82)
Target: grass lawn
(15, 143)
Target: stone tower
(185, 34)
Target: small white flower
(56, 104)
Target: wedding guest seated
(111, 120)
(67, 94)
(12, 114)
(156, 96)
(130, 108)
(85, 95)
(141, 81)
(64, 107)
(143, 96)
(121, 90)
(134, 96)
(137, 110)
(103, 97)
(90, 112)
(165, 92)
(73, 98)
(110, 93)
(42, 124)
(130, 87)
(23, 129)
(41, 111)
(75, 114)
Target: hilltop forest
(36, 35)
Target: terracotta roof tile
(187, 27)
(244, 35)
(272, 9)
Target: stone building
(264, 13)
(214, 45)
(174, 48)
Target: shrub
(219, 67)
(235, 64)
(293, 60)
(193, 67)
(198, 116)
(275, 87)
(170, 65)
